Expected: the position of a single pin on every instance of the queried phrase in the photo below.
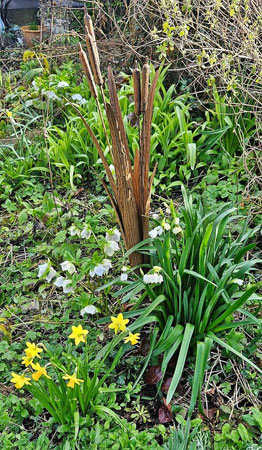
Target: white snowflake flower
(62, 84)
(237, 281)
(177, 230)
(90, 309)
(101, 269)
(159, 279)
(112, 168)
(157, 231)
(177, 221)
(67, 265)
(152, 278)
(123, 277)
(113, 235)
(86, 232)
(167, 226)
(155, 216)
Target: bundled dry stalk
(145, 85)
(130, 192)
(88, 73)
(137, 90)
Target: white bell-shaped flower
(90, 309)
(74, 231)
(177, 230)
(152, 278)
(41, 269)
(86, 232)
(101, 269)
(157, 231)
(123, 277)
(68, 266)
(79, 99)
(62, 84)
(51, 95)
(112, 168)
(50, 274)
(110, 248)
(65, 284)
(113, 235)
(59, 281)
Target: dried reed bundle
(90, 30)
(94, 59)
(145, 85)
(130, 193)
(87, 70)
(137, 90)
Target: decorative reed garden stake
(130, 192)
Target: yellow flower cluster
(119, 324)
(33, 351)
(28, 54)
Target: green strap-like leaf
(152, 344)
(181, 361)
(231, 349)
(233, 307)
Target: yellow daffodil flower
(27, 360)
(72, 380)
(118, 323)
(132, 338)
(32, 350)
(39, 371)
(19, 380)
(78, 334)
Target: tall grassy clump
(130, 190)
(198, 293)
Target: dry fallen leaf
(166, 384)
(164, 415)
(153, 375)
